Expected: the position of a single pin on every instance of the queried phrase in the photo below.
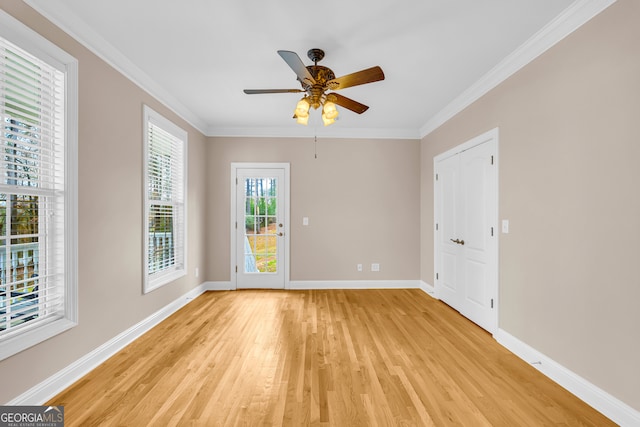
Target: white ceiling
(198, 55)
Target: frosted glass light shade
(302, 108)
(330, 110)
(303, 120)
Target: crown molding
(313, 131)
(564, 24)
(90, 39)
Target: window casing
(38, 188)
(165, 154)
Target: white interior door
(466, 189)
(449, 277)
(260, 227)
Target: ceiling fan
(316, 80)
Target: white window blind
(165, 156)
(34, 246)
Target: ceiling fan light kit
(316, 80)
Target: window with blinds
(37, 299)
(165, 167)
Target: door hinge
(236, 268)
(237, 227)
(491, 302)
(236, 180)
(436, 276)
(491, 159)
(491, 229)
(436, 177)
(436, 226)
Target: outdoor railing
(18, 282)
(161, 250)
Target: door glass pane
(260, 225)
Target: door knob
(459, 242)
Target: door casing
(235, 166)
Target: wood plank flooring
(319, 358)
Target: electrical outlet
(305, 220)
(359, 267)
(375, 267)
(197, 272)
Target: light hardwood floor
(323, 357)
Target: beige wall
(569, 152)
(569, 145)
(361, 198)
(110, 215)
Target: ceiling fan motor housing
(321, 75)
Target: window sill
(29, 337)
(160, 279)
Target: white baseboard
(333, 284)
(218, 286)
(428, 288)
(55, 384)
(353, 284)
(613, 408)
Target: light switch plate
(505, 226)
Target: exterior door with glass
(260, 227)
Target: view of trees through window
(38, 189)
(161, 211)
(260, 225)
(164, 237)
(19, 222)
(164, 204)
(22, 158)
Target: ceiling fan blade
(258, 91)
(347, 103)
(293, 60)
(369, 75)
